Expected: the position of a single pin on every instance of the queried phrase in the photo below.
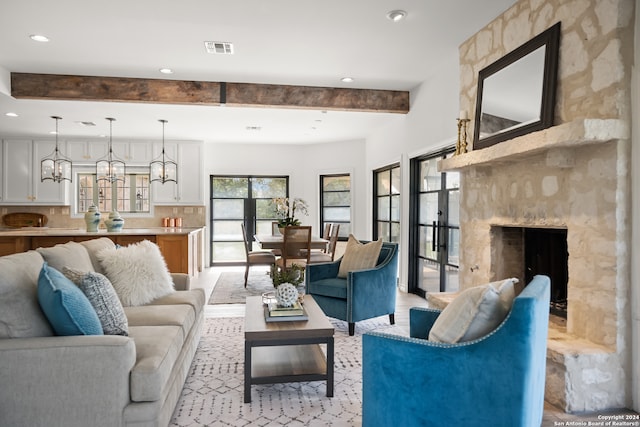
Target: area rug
(229, 289)
(213, 394)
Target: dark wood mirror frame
(550, 38)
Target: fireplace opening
(545, 252)
(524, 252)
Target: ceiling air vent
(221, 48)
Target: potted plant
(286, 209)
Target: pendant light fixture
(110, 168)
(56, 166)
(163, 169)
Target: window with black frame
(128, 196)
(335, 202)
(386, 203)
(241, 199)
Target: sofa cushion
(65, 305)
(103, 298)
(70, 254)
(333, 287)
(193, 297)
(359, 256)
(474, 312)
(20, 313)
(138, 272)
(157, 351)
(94, 246)
(182, 315)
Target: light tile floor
(553, 416)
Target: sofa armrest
(70, 381)
(181, 281)
(421, 321)
(325, 270)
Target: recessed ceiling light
(346, 79)
(254, 128)
(10, 114)
(39, 38)
(396, 15)
(53, 132)
(81, 123)
(166, 70)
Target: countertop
(53, 231)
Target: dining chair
(255, 257)
(275, 231)
(295, 240)
(330, 254)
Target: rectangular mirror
(516, 94)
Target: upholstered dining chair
(497, 379)
(255, 257)
(295, 240)
(330, 253)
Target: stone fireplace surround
(552, 179)
(574, 175)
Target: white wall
(303, 164)
(430, 125)
(635, 217)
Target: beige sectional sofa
(91, 380)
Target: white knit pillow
(474, 313)
(137, 272)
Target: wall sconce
(56, 166)
(163, 169)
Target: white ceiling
(294, 42)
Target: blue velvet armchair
(497, 380)
(362, 295)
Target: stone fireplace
(526, 252)
(574, 177)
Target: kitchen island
(182, 247)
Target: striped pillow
(359, 256)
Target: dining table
(270, 241)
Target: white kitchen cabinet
(21, 174)
(136, 153)
(1, 173)
(189, 188)
(84, 152)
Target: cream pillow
(137, 272)
(474, 313)
(359, 256)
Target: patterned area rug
(213, 394)
(229, 289)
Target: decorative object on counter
(163, 169)
(56, 166)
(110, 168)
(165, 221)
(286, 208)
(463, 122)
(24, 219)
(92, 218)
(177, 222)
(115, 222)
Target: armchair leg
(246, 275)
(392, 318)
(352, 329)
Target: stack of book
(274, 313)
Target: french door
(435, 232)
(236, 200)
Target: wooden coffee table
(282, 352)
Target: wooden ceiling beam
(156, 91)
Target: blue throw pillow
(65, 305)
